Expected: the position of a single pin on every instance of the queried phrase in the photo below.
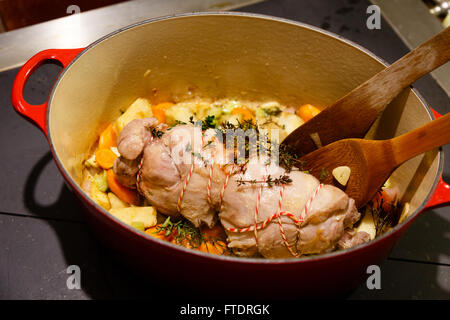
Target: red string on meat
(278, 215)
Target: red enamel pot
(244, 56)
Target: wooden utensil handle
(388, 83)
(432, 135)
(358, 109)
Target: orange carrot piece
(153, 231)
(214, 233)
(246, 114)
(307, 112)
(163, 105)
(159, 111)
(105, 158)
(108, 138)
(386, 198)
(160, 115)
(213, 247)
(125, 194)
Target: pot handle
(37, 113)
(441, 196)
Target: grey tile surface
(42, 231)
(36, 253)
(406, 280)
(31, 183)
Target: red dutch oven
(244, 56)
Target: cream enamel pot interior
(237, 55)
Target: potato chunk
(134, 216)
(140, 109)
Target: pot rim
(315, 258)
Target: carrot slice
(213, 247)
(159, 111)
(307, 112)
(159, 114)
(153, 231)
(125, 194)
(164, 105)
(105, 158)
(246, 114)
(108, 138)
(214, 233)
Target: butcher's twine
(278, 215)
(255, 227)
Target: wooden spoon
(353, 114)
(372, 162)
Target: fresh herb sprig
(281, 180)
(156, 133)
(384, 219)
(181, 230)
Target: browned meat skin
(352, 239)
(166, 166)
(329, 214)
(126, 171)
(134, 136)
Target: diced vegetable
(387, 198)
(91, 162)
(159, 114)
(100, 181)
(153, 231)
(247, 115)
(260, 113)
(138, 225)
(178, 112)
(115, 202)
(136, 216)
(127, 195)
(159, 111)
(289, 122)
(105, 158)
(342, 174)
(115, 150)
(229, 106)
(214, 233)
(108, 138)
(367, 224)
(140, 109)
(234, 119)
(307, 112)
(99, 197)
(213, 247)
(164, 105)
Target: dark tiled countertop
(42, 230)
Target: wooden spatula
(353, 114)
(371, 162)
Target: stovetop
(42, 230)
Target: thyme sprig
(281, 180)
(181, 230)
(384, 219)
(156, 133)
